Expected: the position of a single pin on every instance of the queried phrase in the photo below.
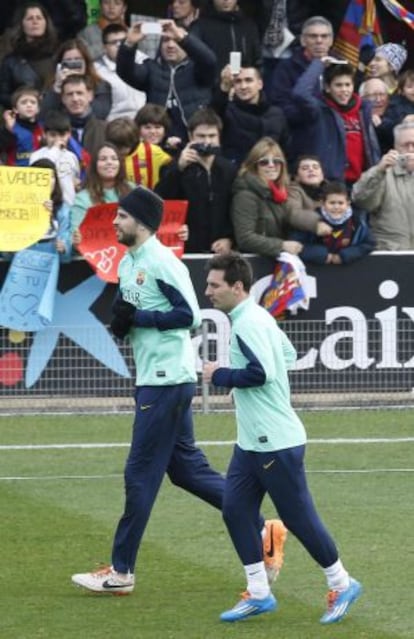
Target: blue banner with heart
(28, 294)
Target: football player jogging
(156, 307)
(269, 454)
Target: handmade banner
(175, 215)
(23, 217)
(28, 295)
(99, 244)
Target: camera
(205, 149)
(402, 161)
(72, 64)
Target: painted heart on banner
(104, 260)
(23, 304)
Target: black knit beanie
(145, 206)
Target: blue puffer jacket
(191, 80)
(322, 132)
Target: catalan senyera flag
(359, 28)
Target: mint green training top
(260, 354)
(158, 284)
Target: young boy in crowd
(338, 125)
(21, 133)
(351, 237)
(57, 131)
(153, 125)
(143, 160)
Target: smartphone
(235, 62)
(150, 27)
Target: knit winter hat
(145, 206)
(395, 54)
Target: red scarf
(279, 193)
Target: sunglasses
(269, 161)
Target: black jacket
(244, 124)
(225, 31)
(209, 197)
(191, 80)
(16, 71)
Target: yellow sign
(24, 219)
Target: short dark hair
(23, 90)
(335, 70)
(204, 115)
(152, 113)
(76, 78)
(57, 121)
(236, 268)
(334, 187)
(112, 28)
(302, 158)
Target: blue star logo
(73, 319)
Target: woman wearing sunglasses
(263, 212)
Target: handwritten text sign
(23, 217)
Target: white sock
(257, 584)
(336, 576)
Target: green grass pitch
(59, 508)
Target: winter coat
(16, 71)
(225, 31)
(388, 197)
(244, 124)
(209, 199)
(399, 106)
(281, 84)
(323, 132)
(191, 80)
(301, 198)
(361, 243)
(260, 224)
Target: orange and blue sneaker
(105, 580)
(249, 607)
(340, 601)
(273, 545)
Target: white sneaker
(105, 580)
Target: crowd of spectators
(284, 147)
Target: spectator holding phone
(246, 113)
(180, 78)
(73, 58)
